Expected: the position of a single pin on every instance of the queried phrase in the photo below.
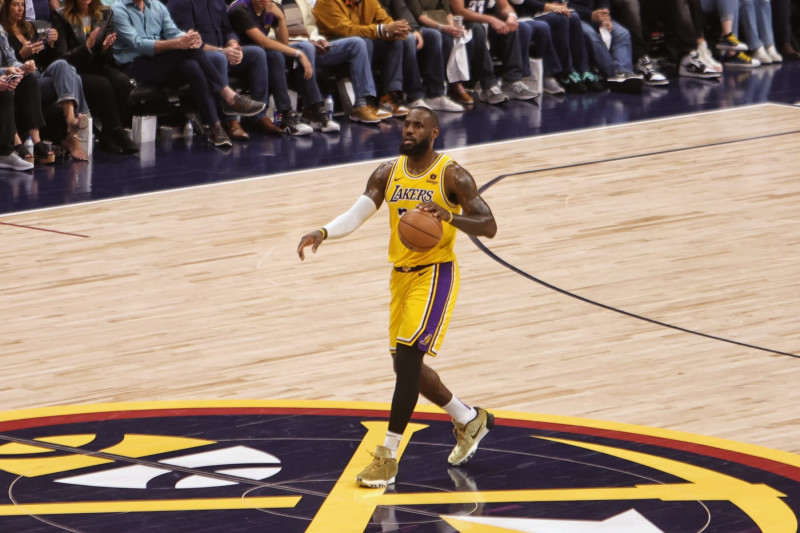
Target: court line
(23, 226)
(543, 283)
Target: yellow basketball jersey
(405, 191)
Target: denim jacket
(7, 56)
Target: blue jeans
(352, 50)
(726, 9)
(568, 42)
(60, 82)
(387, 56)
(309, 89)
(757, 21)
(412, 80)
(253, 66)
(536, 34)
(619, 58)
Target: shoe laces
(731, 38)
(744, 58)
(495, 89)
(574, 77)
(590, 76)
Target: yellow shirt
(405, 191)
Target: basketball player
(424, 285)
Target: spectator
(9, 158)
(253, 20)
(782, 26)
(151, 49)
(609, 45)
(436, 14)
(571, 66)
(58, 81)
(733, 51)
(384, 38)
(354, 52)
(210, 19)
(684, 22)
(628, 12)
(757, 20)
(503, 36)
(424, 45)
(86, 35)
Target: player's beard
(417, 149)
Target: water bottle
(29, 145)
(188, 130)
(329, 107)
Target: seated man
(253, 20)
(151, 49)
(504, 42)
(614, 59)
(352, 50)
(424, 44)
(210, 19)
(383, 36)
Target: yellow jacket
(338, 18)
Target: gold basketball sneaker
(469, 435)
(380, 472)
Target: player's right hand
(313, 239)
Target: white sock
(461, 412)
(392, 442)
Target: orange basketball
(419, 230)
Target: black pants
(480, 59)
(106, 90)
(28, 106)
(506, 48)
(177, 67)
(7, 126)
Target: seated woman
(9, 159)
(27, 102)
(85, 37)
(58, 81)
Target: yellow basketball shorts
(421, 306)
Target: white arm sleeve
(349, 221)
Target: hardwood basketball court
(198, 293)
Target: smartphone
(11, 77)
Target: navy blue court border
(565, 292)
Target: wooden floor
(198, 293)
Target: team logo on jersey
(410, 193)
(290, 467)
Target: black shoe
(216, 135)
(572, 83)
(125, 143)
(105, 143)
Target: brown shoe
(262, 125)
(365, 114)
(462, 97)
(235, 131)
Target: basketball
(419, 230)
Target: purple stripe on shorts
(438, 307)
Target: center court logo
(289, 467)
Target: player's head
(420, 130)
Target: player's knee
(407, 361)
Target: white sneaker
(551, 86)
(419, 102)
(693, 67)
(704, 52)
(774, 55)
(517, 90)
(761, 55)
(443, 103)
(13, 161)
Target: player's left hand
(435, 209)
